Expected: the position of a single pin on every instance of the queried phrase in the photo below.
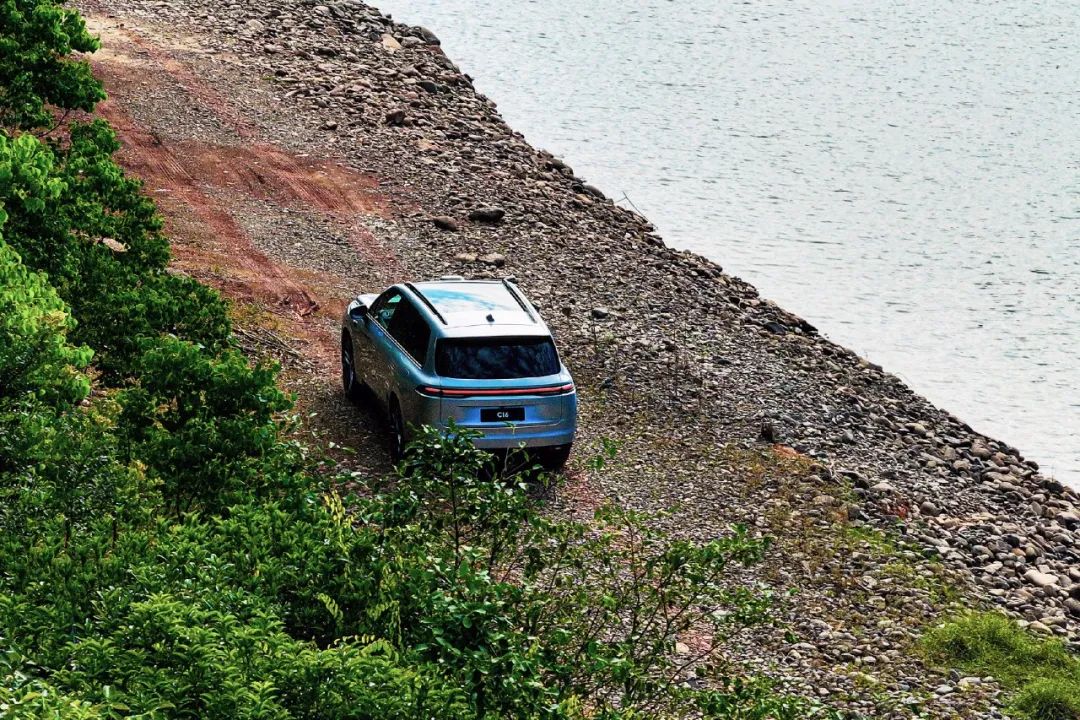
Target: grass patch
(1049, 699)
(1044, 673)
(932, 580)
(878, 541)
(254, 315)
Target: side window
(385, 306)
(411, 330)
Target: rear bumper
(503, 438)
(546, 421)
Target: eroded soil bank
(303, 153)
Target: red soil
(202, 189)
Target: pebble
(429, 37)
(489, 215)
(445, 222)
(390, 43)
(495, 259)
(1040, 579)
(1073, 606)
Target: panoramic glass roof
(458, 298)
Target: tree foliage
(37, 39)
(36, 361)
(204, 425)
(75, 216)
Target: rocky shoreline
(888, 512)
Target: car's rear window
(496, 358)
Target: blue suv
(472, 351)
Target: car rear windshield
(496, 358)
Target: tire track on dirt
(204, 188)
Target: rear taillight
(546, 390)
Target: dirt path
(234, 203)
(299, 153)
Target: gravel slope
(305, 152)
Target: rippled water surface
(904, 175)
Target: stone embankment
(888, 512)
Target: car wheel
(397, 431)
(352, 385)
(555, 458)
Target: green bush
(178, 655)
(204, 425)
(537, 613)
(36, 361)
(54, 461)
(296, 556)
(64, 202)
(63, 467)
(22, 698)
(168, 618)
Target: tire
(398, 439)
(553, 459)
(352, 385)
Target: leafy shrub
(54, 461)
(62, 467)
(534, 612)
(173, 654)
(23, 698)
(163, 618)
(36, 361)
(296, 558)
(204, 425)
(64, 202)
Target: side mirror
(358, 312)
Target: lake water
(904, 175)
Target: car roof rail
(427, 302)
(511, 287)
